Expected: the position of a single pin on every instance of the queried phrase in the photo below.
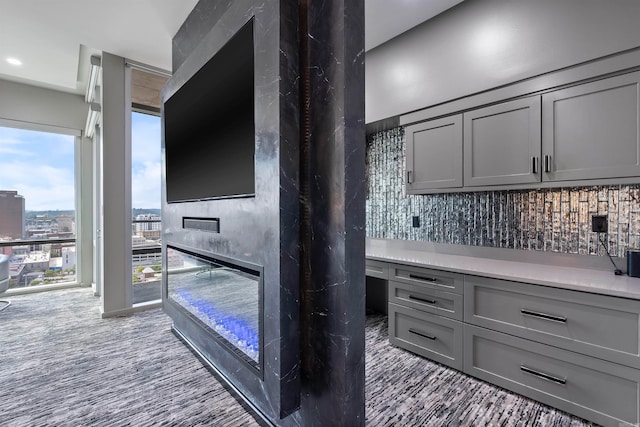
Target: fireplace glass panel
(224, 296)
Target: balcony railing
(146, 286)
(28, 272)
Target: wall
(483, 44)
(36, 105)
(550, 220)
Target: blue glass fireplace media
(222, 296)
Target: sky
(145, 161)
(40, 165)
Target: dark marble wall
(552, 220)
(305, 225)
(264, 229)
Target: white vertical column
(84, 217)
(116, 189)
(97, 213)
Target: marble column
(333, 288)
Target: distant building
(55, 264)
(36, 261)
(150, 234)
(68, 257)
(11, 215)
(139, 227)
(6, 250)
(138, 241)
(66, 224)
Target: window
(37, 206)
(145, 201)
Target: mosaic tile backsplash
(553, 220)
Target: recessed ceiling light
(14, 61)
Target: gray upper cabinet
(591, 131)
(434, 154)
(502, 143)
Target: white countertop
(557, 276)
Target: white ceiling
(54, 39)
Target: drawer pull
(545, 316)
(542, 375)
(426, 279)
(428, 301)
(413, 331)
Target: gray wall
(548, 220)
(37, 105)
(482, 44)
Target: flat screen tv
(209, 127)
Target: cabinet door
(434, 154)
(502, 143)
(591, 388)
(591, 130)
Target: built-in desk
(560, 329)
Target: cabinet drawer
(436, 279)
(597, 325)
(434, 337)
(377, 269)
(426, 299)
(597, 390)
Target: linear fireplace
(223, 295)
(230, 210)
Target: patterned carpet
(403, 389)
(62, 365)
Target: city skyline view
(41, 166)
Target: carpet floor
(62, 365)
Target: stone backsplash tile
(552, 220)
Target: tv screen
(210, 129)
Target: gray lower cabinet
(595, 389)
(435, 337)
(502, 143)
(592, 130)
(434, 154)
(576, 351)
(376, 269)
(597, 325)
(430, 300)
(427, 277)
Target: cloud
(13, 146)
(146, 185)
(145, 138)
(44, 187)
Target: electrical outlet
(599, 223)
(416, 221)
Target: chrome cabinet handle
(534, 164)
(422, 334)
(428, 301)
(409, 177)
(547, 163)
(542, 375)
(545, 316)
(426, 279)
